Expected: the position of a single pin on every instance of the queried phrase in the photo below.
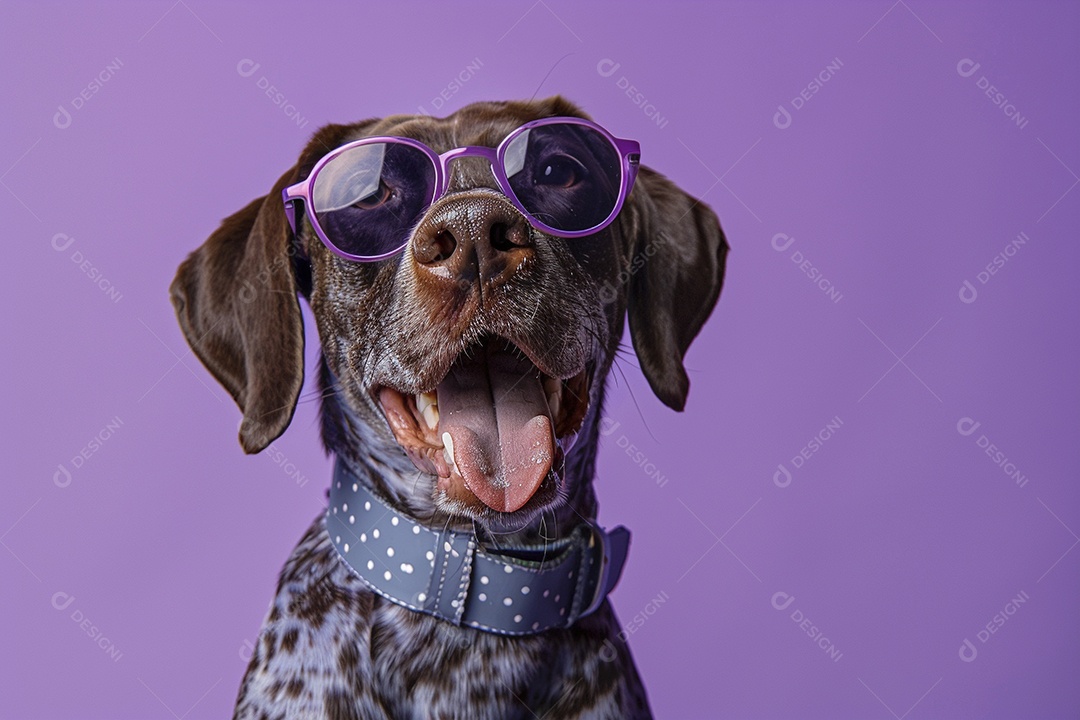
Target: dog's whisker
(318, 394)
(548, 74)
(543, 525)
(616, 364)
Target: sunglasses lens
(368, 198)
(566, 175)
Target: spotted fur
(331, 648)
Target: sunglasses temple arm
(290, 206)
(631, 153)
(633, 160)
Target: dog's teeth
(425, 400)
(431, 416)
(448, 452)
(554, 404)
(553, 391)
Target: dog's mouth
(494, 430)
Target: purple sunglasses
(568, 176)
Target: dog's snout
(473, 235)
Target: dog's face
(466, 366)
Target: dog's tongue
(494, 408)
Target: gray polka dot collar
(515, 591)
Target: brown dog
(478, 300)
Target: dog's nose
(471, 235)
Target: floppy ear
(678, 250)
(236, 300)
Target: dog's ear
(676, 269)
(236, 300)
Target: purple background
(898, 181)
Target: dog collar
(510, 591)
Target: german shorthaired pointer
(469, 277)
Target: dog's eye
(381, 195)
(560, 171)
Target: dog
(469, 306)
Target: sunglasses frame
(629, 152)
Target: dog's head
(479, 351)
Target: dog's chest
(331, 648)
